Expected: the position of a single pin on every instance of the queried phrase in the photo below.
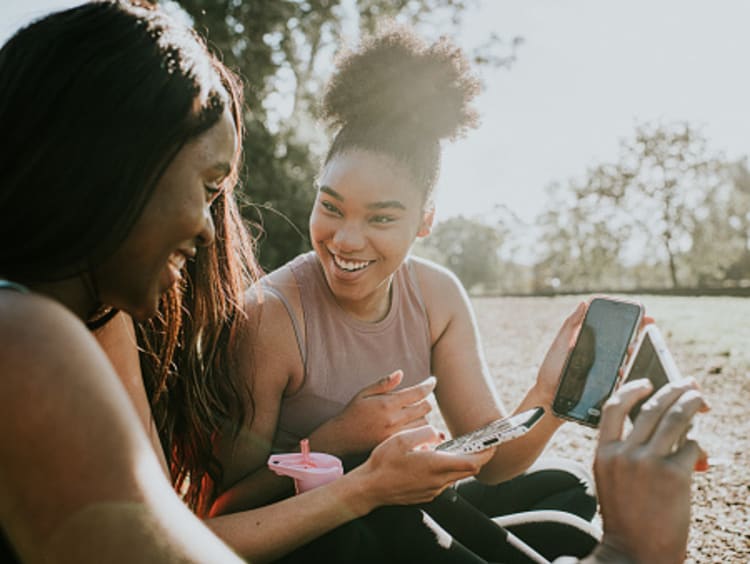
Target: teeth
(350, 265)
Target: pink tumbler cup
(309, 469)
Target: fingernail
(702, 465)
(442, 436)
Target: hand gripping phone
(495, 433)
(593, 365)
(651, 359)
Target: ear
(426, 226)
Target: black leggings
(547, 508)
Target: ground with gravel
(710, 339)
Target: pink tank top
(342, 355)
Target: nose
(208, 231)
(349, 237)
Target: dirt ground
(709, 339)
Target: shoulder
(72, 434)
(438, 284)
(47, 351)
(35, 329)
(269, 331)
(444, 296)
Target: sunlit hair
(96, 101)
(191, 343)
(399, 96)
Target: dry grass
(710, 339)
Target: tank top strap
(8, 285)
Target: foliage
(467, 247)
(667, 203)
(284, 49)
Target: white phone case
(495, 433)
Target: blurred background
(611, 155)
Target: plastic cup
(308, 469)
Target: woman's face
(365, 218)
(174, 223)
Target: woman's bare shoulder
(443, 294)
(34, 329)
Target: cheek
(320, 226)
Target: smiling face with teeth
(366, 216)
(175, 221)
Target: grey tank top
(342, 355)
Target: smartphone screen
(594, 363)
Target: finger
(647, 320)
(413, 438)
(384, 385)
(413, 424)
(618, 406)
(675, 422)
(688, 456)
(417, 392)
(413, 412)
(656, 406)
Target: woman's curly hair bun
(396, 80)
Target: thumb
(419, 436)
(384, 385)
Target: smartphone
(495, 433)
(593, 365)
(651, 359)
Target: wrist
(538, 396)
(362, 496)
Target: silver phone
(495, 433)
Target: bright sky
(587, 72)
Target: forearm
(259, 488)
(514, 457)
(269, 532)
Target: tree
(664, 175)
(467, 247)
(664, 201)
(283, 49)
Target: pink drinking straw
(304, 446)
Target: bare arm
(80, 482)
(394, 474)
(464, 391)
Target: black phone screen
(593, 365)
(647, 364)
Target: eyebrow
(373, 206)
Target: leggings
(548, 508)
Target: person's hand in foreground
(643, 480)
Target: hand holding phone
(593, 365)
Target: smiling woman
(125, 147)
(342, 318)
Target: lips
(350, 265)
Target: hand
(401, 471)
(643, 481)
(374, 414)
(554, 361)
